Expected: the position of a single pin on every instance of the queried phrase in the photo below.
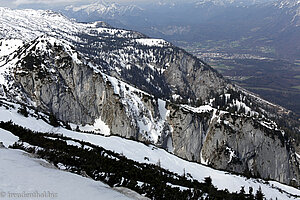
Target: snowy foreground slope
(132, 150)
(21, 173)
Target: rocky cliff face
(64, 85)
(228, 131)
(233, 142)
(51, 76)
(189, 131)
(244, 145)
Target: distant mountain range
(254, 23)
(104, 10)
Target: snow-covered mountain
(292, 7)
(230, 2)
(28, 24)
(108, 81)
(106, 9)
(111, 12)
(287, 3)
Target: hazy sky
(51, 3)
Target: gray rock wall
(237, 144)
(76, 94)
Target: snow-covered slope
(28, 24)
(23, 176)
(139, 151)
(9, 46)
